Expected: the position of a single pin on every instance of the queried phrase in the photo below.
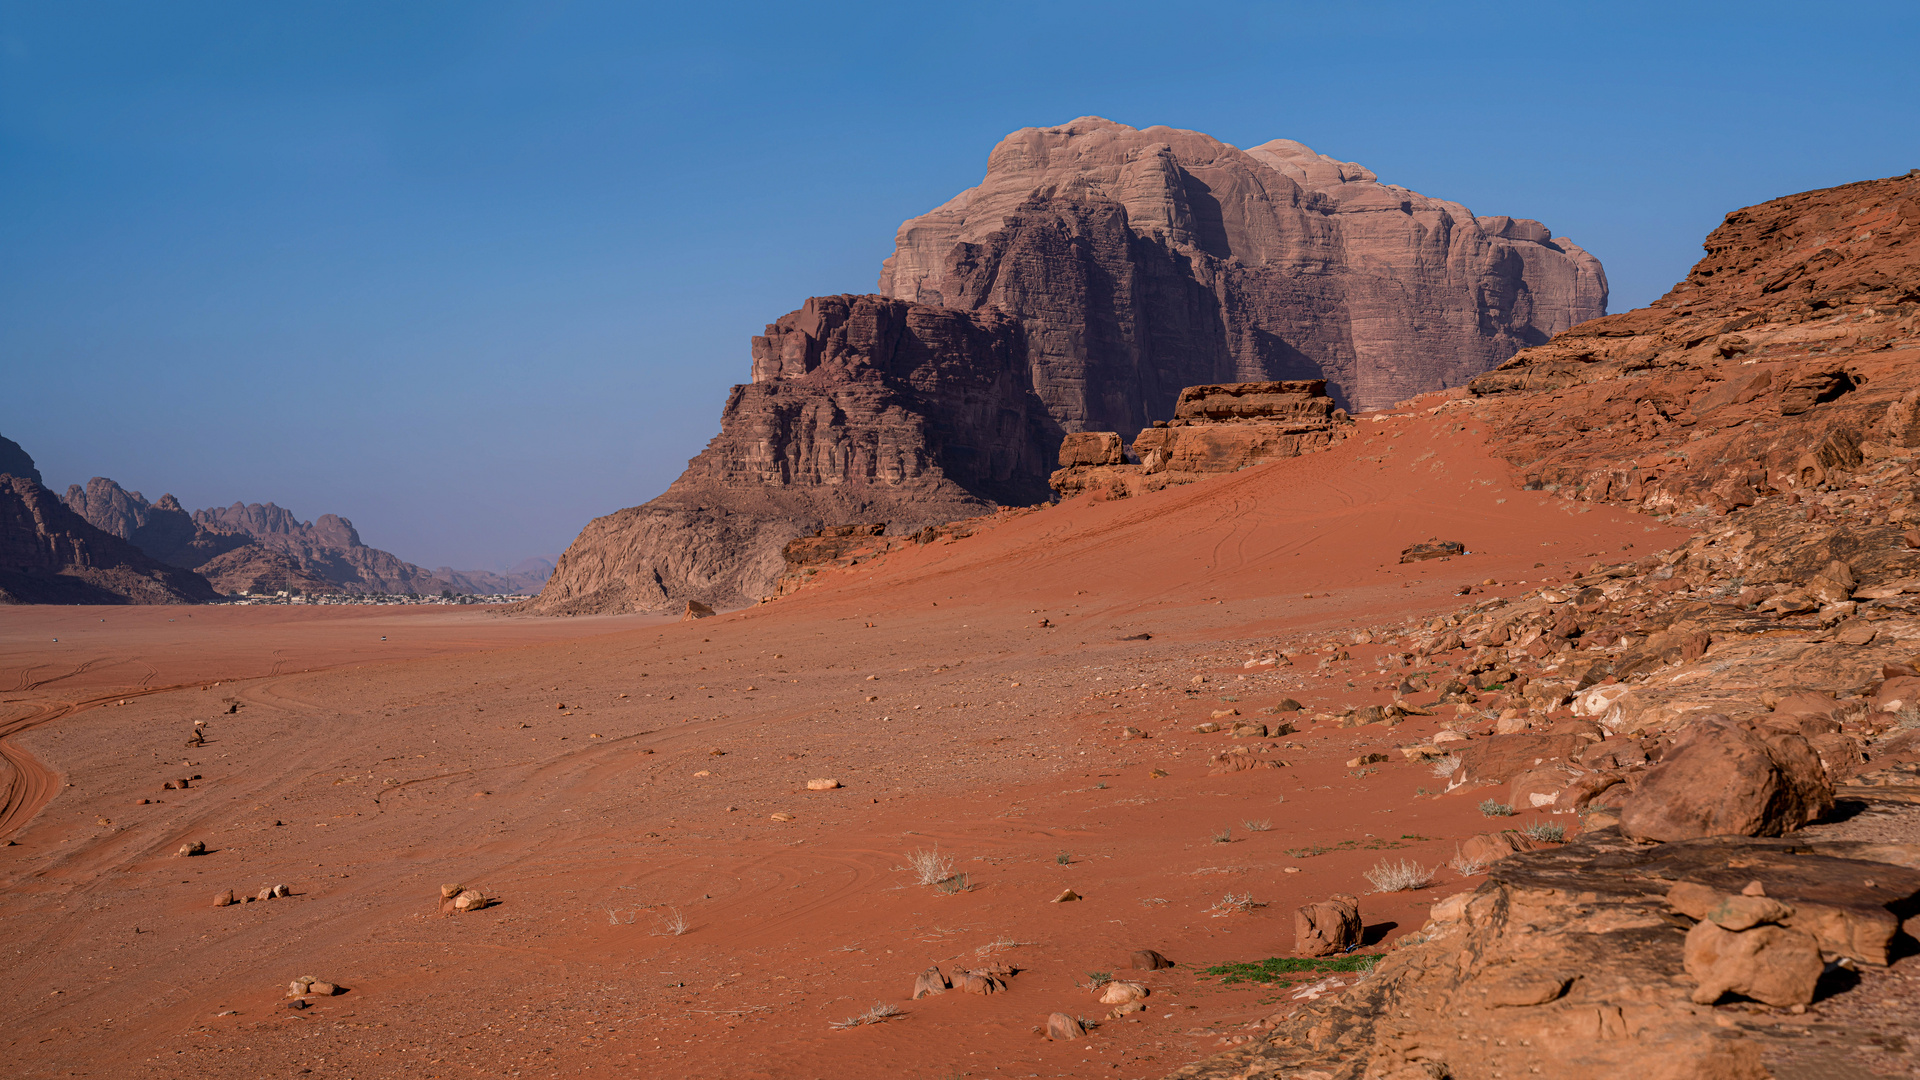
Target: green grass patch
(1276, 970)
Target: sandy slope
(554, 763)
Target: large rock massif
(1757, 682)
(51, 555)
(1095, 273)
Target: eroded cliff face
(861, 409)
(51, 555)
(1144, 261)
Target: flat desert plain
(610, 781)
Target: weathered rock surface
(51, 555)
(1327, 928)
(1570, 962)
(862, 409)
(1145, 261)
(1216, 429)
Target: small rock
(1062, 1026)
(1128, 1008)
(1366, 759)
(224, 899)
(298, 987)
(1222, 714)
(1066, 895)
(449, 891)
(1329, 927)
(266, 893)
(470, 900)
(929, 982)
(1149, 960)
(1119, 993)
(696, 610)
(195, 847)
(323, 989)
(977, 982)
(1746, 912)
(822, 785)
(782, 816)
(283, 890)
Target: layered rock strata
(861, 409)
(1215, 429)
(51, 555)
(1145, 261)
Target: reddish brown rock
(1148, 960)
(51, 555)
(1770, 964)
(1145, 261)
(1328, 927)
(1729, 778)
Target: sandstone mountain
(1145, 261)
(15, 461)
(51, 555)
(1094, 274)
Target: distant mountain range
(105, 544)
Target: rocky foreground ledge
(1610, 958)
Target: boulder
(1148, 960)
(470, 900)
(1729, 778)
(1431, 549)
(929, 982)
(1119, 993)
(1062, 1026)
(1769, 964)
(1492, 847)
(1328, 927)
(1092, 448)
(224, 898)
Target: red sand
(366, 773)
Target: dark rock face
(1145, 261)
(51, 555)
(15, 461)
(861, 409)
(328, 548)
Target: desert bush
(930, 867)
(1466, 867)
(881, 1011)
(1446, 766)
(1399, 877)
(674, 922)
(1261, 825)
(1492, 808)
(1224, 836)
(1548, 831)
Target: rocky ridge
(51, 555)
(1685, 705)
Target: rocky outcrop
(1215, 429)
(15, 461)
(1603, 959)
(861, 409)
(51, 555)
(1784, 360)
(328, 548)
(1144, 261)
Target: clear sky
(473, 273)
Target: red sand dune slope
(597, 776)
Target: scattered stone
(1060, 1026)
(470, 900)
(1432, 549)
(1149, 960)
(266, 893)
(1770, 964)
(781, 816)
(191, 848)
(1287, 705)
(1066, 896)
(1119, 993)
(1207, 727)
(1328, 927)
(978, 982)
(1126, 1009)
(696, 610)
(1222, 714)
(1134, 733)
(282, 890)
(827, 784)
(1365, 760)
(224, 899)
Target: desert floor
(601, 776)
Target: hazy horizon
(471, 275)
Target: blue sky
(473, 273)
